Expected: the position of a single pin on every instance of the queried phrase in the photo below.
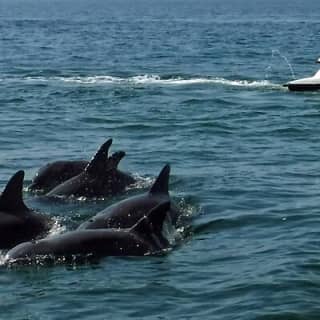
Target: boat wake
(147, 79)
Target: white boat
(305, 84)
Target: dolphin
(55, 173)
(143, 238)
(18, 223)
(126, 213)
(100, 177)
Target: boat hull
(303, 87)
(305, 84)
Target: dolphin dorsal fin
(11, 199)
(100, 159)
(150, 226)
(114, 159)
(161, 185)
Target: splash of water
(57, 228)
(141, 182)
(2, 258)
(278, 53)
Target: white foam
(153, 79)
(57, 228)
(3, 258)
(172, 234)
(245, 83)
(141, 182)
(90, 80)
(189, 210)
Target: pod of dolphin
(131, 227)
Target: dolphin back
(55, 173)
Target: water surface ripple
(197, 84)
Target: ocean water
(197, 84)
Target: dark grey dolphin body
(145, 237)
(55, 173)
(17, 222)
(100, 177)
(126, 213)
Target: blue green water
(197, 84)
